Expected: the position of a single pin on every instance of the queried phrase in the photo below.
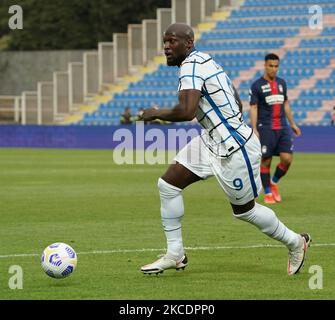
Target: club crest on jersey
(264, 149)
(280, 88)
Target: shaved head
(180, 30)
(178, 43)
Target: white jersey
(218, 111)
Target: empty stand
(237, 37)
(239, 44)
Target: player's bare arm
(253, 118)
(185, 110)
(238, 99)
(289, 115)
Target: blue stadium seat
(257, 28)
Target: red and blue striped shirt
(269, 96)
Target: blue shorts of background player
(274, 142)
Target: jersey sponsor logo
(274, 99)
(266, 88)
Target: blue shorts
(274, 142)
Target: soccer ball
(59, 260)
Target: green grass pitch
(110, 215)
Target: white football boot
(296, 258)
(163, 263)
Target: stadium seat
(237, 43)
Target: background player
(269, 109)
(228, 150)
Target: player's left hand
(296, 130)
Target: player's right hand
(296, 130)
(149, 114)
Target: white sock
(172, 211)
(266, 220)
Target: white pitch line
(256, 246)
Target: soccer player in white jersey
(228, 150)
